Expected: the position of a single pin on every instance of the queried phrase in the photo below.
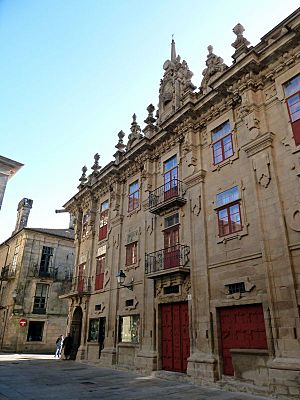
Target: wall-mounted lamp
(121, 279)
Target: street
(35, 377)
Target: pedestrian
(59, 346)
(67, 346)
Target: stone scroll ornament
(261, 167)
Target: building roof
(66, 233)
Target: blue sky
(73, 72)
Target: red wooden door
(171, 252)
(242, 327)
(175, 336)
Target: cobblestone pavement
(39, 377)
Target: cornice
(258, 144)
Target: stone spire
(240, 44)
(173, 50)
(24, 208)
(120, 146)
(83, 178)
(214, 68)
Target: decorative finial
(173, 49)
(240, 41)
(135, 132)
(150, 119)
(210, 50)
(83, 178)
(120, 146)
(96, 165)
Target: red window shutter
(296, 131)
(100, 267)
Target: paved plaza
(35, 377)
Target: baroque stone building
(188, 243)
(8, 168)
(36, 266)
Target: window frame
(131, 254)
(221, 140)
(42, 324)
(295, 125)
(95, 338)
(231, 202)
(132, 333)
(40, 302)
(133, 196)
(103, 220)
(100, 269)
(45, 263)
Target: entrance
(242, 327)
(175, 341)
(76, 331)
(101, 335)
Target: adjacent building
(36, 268)
(8, 168)
(188, 243)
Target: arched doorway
(76, 331)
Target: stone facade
(198, 218)
(36, 268)
(8, 168)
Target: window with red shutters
(292, 95)
(103, 220)
(134, 196)
(229, 212)
(131, 253)
(222, 143)
(100, 268)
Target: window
(134, 196)
(238, 287)
(129, 303)
(222, 143)
(129, 329)
(131, 253)
(103, 220)
(171, 289)
(292, 94)
(85, 222)
(93, 330)
(15, 259)
(172, 220)
(47, 254)
(100, 268)
(229, 213)
(40, 299)
(35, 331)
(170, 178)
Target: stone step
(171, 376)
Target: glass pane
(292, 86)
(235, 217)
(94, 329)
(104, 205)
(223, 222)
(221, 131)
(295, 116)
(171, 163)
(134, 187)
(228, 196)
(228, 149)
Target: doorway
(76, 331)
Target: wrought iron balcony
(168, 195)
(7, 274)
(169, 260)
(55, 273)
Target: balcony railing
(171, 258)
(170, 194)
(7, 273)
(55, 273)
(81, 285)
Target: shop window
(93, 330)
(292, 95)
(40, 299)
(129, 329)
(100, 268)
(103, 220)
(134, 196)
(131, 253)
(35, 331)
(222, 143)
(229, 212)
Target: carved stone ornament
(261, 167)
(214, 68)
(176, 82)
(293, 216)
(135, 132)
(240, 41)
(83, 178)
(196, 203)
